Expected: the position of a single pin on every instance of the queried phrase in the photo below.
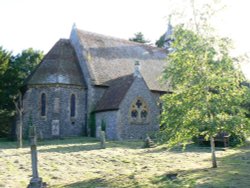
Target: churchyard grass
(79, 162)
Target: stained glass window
(144, 114)
(139, 111)
(138, 103)
(134, 114)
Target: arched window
(139, 111)
(73, 105)
(43, 104)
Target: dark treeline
(14, 69)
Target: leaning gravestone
(36, 181)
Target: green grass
(79, 162)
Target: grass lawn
(79, 162)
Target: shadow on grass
(180, 149)
(133, 144)
(92, 183)
(233, 171)
(71, 149)
(126, 181)
(12, 144)
(85, 141)
(88, 146)
(69, 140)
(5, 144)
(189, 148)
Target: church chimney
(137, 68)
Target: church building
(91, 82)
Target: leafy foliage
(139, 37)
(5, 57)
(4, 60)
(16, 70)
(207, 91)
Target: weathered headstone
(55, 128)
(148, 143)
(102, 139)
(36, 181)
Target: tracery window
(43, 104)
(139, 111)
(72, 105)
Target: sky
(41, 23)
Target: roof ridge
(118, 39)
(108, 58)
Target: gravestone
(148, 143)
(36, 181)
(55, 127)
(102, 139)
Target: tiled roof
(59, 66)
(110, 58)
(115, 93)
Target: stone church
(91, 81)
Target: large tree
(5, 57)
(207, 93)
(17, 69)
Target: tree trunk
(20, 129)
(19, 108)
(214, 162)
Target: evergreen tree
(139, 37)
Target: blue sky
(40, 23)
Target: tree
(207, 90)
(160, 42)
(12, 80)
(5, 57)
(4, 60)
(18, 101)
(139, 37)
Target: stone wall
(57, 111)
(129, 130)
(111, 121)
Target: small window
(43, 104)
(73, 106)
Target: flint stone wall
(57, 110)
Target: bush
(237, 139)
